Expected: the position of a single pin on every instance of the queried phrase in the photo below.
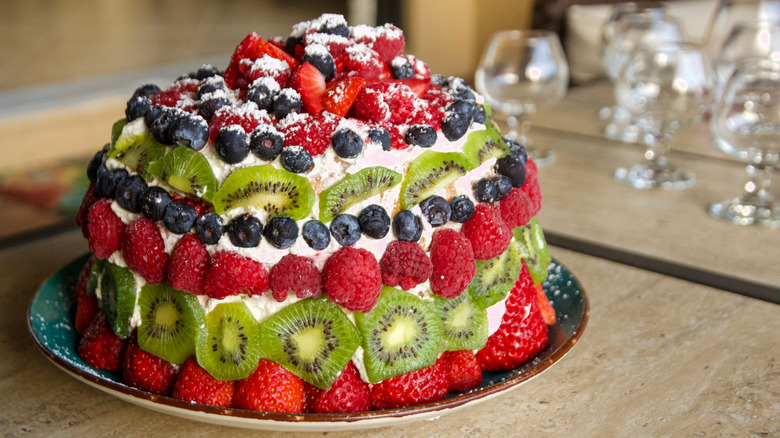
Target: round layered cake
(323, 226)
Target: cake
(323, 226)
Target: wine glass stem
(657, 152)
(757, 189)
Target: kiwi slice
(483, 145)
(277, 191)
(465, 323)
(95, 272)
(312, 338)
(431, 172)
(116, 130)
(355, 188)
(496, 277)
(227, 345)
(534, 249)
(118, 294)
(402, 333)
(137, 152)
(186, 170)
(169, 322)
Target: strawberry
(275, 51)
(425, 385)
(359, 60)
(419, 86)
(144, 250)
(146, 371)
(195, 385)
(105, 229)
(308, 81)
(310, 395)
(100, 348)
(548, 312)
(463, 372)
(189, 263)
(270, 388)
(179, 90)
(341, 94)
(245, 49)
(522, 332)
(347, 394)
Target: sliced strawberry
(245, 49)
(548, 312)
(419, 86)
(276, 52)
(341, 94)
(308, 81)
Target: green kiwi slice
(186, 170)
(465, 323)
(136, 151)
(355, 188)
(116, 130)
(481, 146)
(534, 249)
(312, 338)
(227, 345)
(95, 272)
(431, 172)
(277, 191)
(169, 322)
(402, 333)
(496, 277)
(118, 294)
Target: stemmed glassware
(520, 72)
(746, 123)
(666, 84)
(758, 39)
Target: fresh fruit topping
(100, 348)
(227, 344)
(146, 90)
(453, 263)
(374, 221)
(232, 144)
(455, 125)
(263, 92)
(355, 188)
(277, 191)
(513, 168)
(296, 159)
(418, 387)
(402, 333)
(128, 190)
(191, 131)
(233, 274)
(108, 179)
(388, 40)
(384, 102)
(516, 208)
(93, 165)
(522, 332)
(495, 277)
(545, 307)
(209, 228)
(118, 291)
(359, 60)
(533, 249)
(345, 228)
(465, 325)
(420, 87)
(462, 208)
(309, 131)
(347, 394)
(281, 232)
(341, 94)
(431, 172)
(136, 107)
(162, 124)
(188, 171)
(318, 56)
(532, 187)
(436, 210)
(248, 116)
(407, 226)
(266, 67)
(266, 142)
(245, 231)
(144, 250)
(381, 137)
(486, 190)
(516, 149)
(195, 385)
(481, 146)
(104, 228)
(316, 235)
(310, 83)
(212, 102)
(269, 388)
(487, 232)
(179, 217)
(153, 203)
(87, 307)
(347, 144)
(295, 274)
(401, 68)
(287, 102)
(169, 322)
(503, 186)
(421, 135)
(137, 151)
(352, 279)
(405, 264)
(463, 372)
(188, 266)
(146, 371)
(247, 48)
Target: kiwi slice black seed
(355, 188)
(533, 249)
(188, 171)
(137, 152)
(402, 333)
(496, 277)
(118, 294)
(431, 172)
(465, 323)
(169, 322)
(312, 338)
(227, 345)
(95, 272)
(483, 145)
(277, 191)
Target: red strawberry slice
(276, 52)
(245, 49)
(146, 371)
(548, 312)
(341, 94)
(270, 388)
(194, 384)
(419, 86)
(308, 81)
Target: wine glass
(666, 84)
(520, 72)
(746, 123)
(730, 12)
(758, 39)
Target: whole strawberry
(352, 279)
(146, 371)
(189, 263)
(195, 385)
(453, 263)
(104, 228)
(232, 274)
(270, 388)
(487, 232)
(425, 385)
(100, 348)
(463, 372)
(347, 394)
(144, 250)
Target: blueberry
(316, 235)
(94, 164)
(318, 56)
(263, 93)
(347, 144)
(146, 90)
(232, 144)
(485, 190)
(381, 137)
(161, 126)
(291, 43)
(374, 221)
(513, 168)
(211, 85)
(436, 210)
(136, 107)
(153, 203)
(339, 29)
(438, 79)
(407, 226)
(420, 135)
(517, 149)
(281, 232)
(462, 208)
(107, 180)
(503, 186)
(345, 228)
(206, 71)
(245, 231)
(455, 125)
(179, 217)
(287, 102)
(480, 116)
(462, 106)
(191, 131)
(209, 228)
(402, 68)
(296, 159)
(211, 104)
(154, 112)
(266, 143)
(128, 191)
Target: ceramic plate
(49, 322)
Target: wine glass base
(741, 213)
(644, 176)
(542, 157)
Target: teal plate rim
(49, 323)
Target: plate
(49, 323)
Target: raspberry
(180, 90)
(488, 233)
(232, 274)
(297, 274)
(352, 279)
(82, 217)
(425, 385)
(336, 44)
(405, 264)
(388, 40)
(271, 68)
(246, 115)
(87, 306)
(396, 138)
(359, 60)
(313, 132)
(385, 102)
(453, 263)
(532, 187)
(270, 388)
(516, 209)
(195, 385)
(146, 371)
(100, 348)
(189, 263)
(105, 229)
(144, 250)
(436, 97)
(463, 372)
(426, 114)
